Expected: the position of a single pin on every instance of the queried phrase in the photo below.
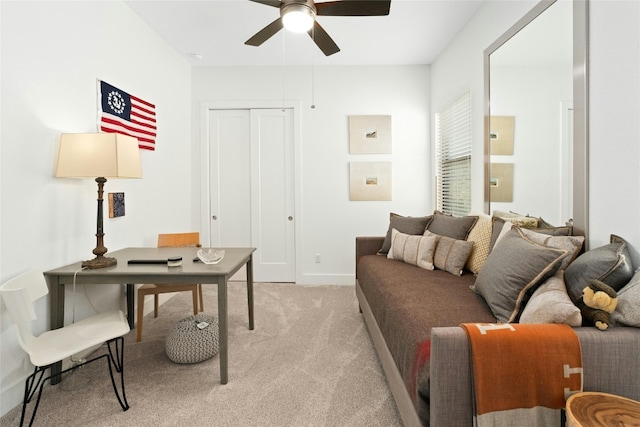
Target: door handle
(214, 218)
(290, 218)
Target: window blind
(453, 157)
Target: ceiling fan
(300, 16)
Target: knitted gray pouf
(188, 343)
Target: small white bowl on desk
(210, 255)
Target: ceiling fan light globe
(297, 18)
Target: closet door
(230, 178)
(251, 180)
(272, 194)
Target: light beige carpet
(309, 362)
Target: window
(453, 157)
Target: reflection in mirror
(530, 125)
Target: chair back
(18, 295)
(177, 240)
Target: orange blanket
(523, 374)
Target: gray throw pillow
(512, 272)
(573, 244)
(610, 264)
(456, 227)
(404, 224)
(628, 310)
(565, 230)
(496, 228)
(451, 255)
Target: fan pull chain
(313, 70)
(283, 66)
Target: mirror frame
(580, 109)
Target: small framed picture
(116, 205)
(501, 182)
(501, 135)
(369, 134)
(370, 181)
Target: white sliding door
(251, 186)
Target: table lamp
(98, 156)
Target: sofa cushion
(550, 303)
(480, 235)
(610, 264)
(573, 244)
(456, 227)
(407, 303)
(451, 254)
(628, 310)
(415, 250)
(512, 272)
(404, 224)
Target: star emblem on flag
(116, 102)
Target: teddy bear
(598, 301)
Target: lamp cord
(81, 360)
(73, 299)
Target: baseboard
(326, 279)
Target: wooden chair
(174, 240)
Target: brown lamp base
(99, 262)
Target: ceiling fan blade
(323, 40)
(264, 34)
(354, 8)
(274, 3)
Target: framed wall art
(369, 134)
(501, 182)
(370, 181)
(501, 135)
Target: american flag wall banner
(120, 112)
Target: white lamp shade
(92, 155)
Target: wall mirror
(536, 116)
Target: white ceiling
(414, 32)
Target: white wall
(614, 102)
(533, 95)
(330, 222)
(460, 68)
(614, 125)
(52, 54)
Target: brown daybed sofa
(413, 316)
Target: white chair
(53, 346)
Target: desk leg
(250, 290)
(223, 329)
(56, 308)
(130, 304)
